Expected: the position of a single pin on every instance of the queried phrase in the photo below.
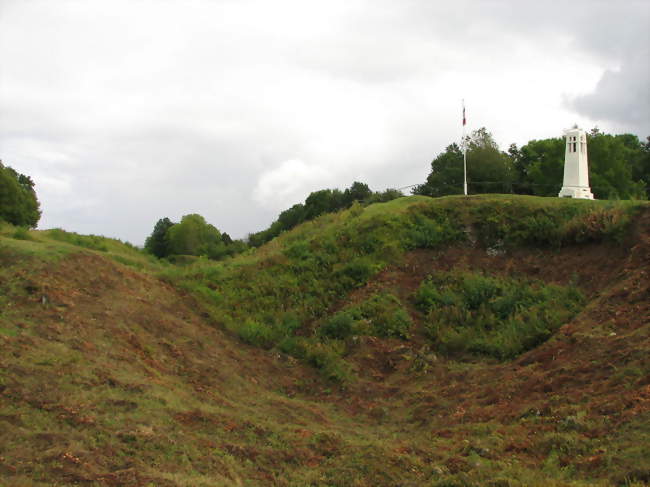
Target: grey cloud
(621, 96)
(125, 112)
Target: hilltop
(490, 340)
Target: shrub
(93, 242)
(341, 326)
(380, 315)
(22, 233)
(431, 230)
(298, 250)
(357, 272)
(256, 333)
(601, 224)
(501, 318)
(327, 357)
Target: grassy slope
(117, 379)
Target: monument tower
(576, 168)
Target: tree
(446, 176)
(619, 167)
(385, 196)
(225, 238)
(613, 163)
(488, 169)
(292, 217)
(539, 167)
(356, 192)
(641, 169)
(158, 242)
(18, 202)
(323, 201)
(194, 236)
(319, 203)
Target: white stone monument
(576, 167)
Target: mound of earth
(112, 377)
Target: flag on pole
(464, 119)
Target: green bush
(341, 326)
(294, 346)
(601, 224)
(357, 272)
(497, 317)
(93, 242)
(552, 225)
(298, 250)
(380, 315)
(256, 333)
(432, 229)
(327, 357)
(266, 332)
(22, 233)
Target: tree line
(194, 236)
(619, 167)
(319, 203)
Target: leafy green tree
(619, 167)
(18, 202)
(323, 201)
(446, 176)
(158, 242)
(539, 167)
(613, 161)
(292, 217)
(488, 169)
(319, 203)
(225, 238)
(385, 196)
(194, 236)
(641, 169)
(356, 192)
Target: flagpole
(464, 153)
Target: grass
(305, 271)
(120, 380)
(56, 243)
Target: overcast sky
(124, 112)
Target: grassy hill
(456, 341)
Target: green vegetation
(481, 315)
(319, 203)
(193, 236)
(285, 288)
(18, 203)
(306, 271)
(94, 242)
(489, 170)
(618, 167)
(340, 362)
(57, 243)
(158, 242)
(381, 315)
